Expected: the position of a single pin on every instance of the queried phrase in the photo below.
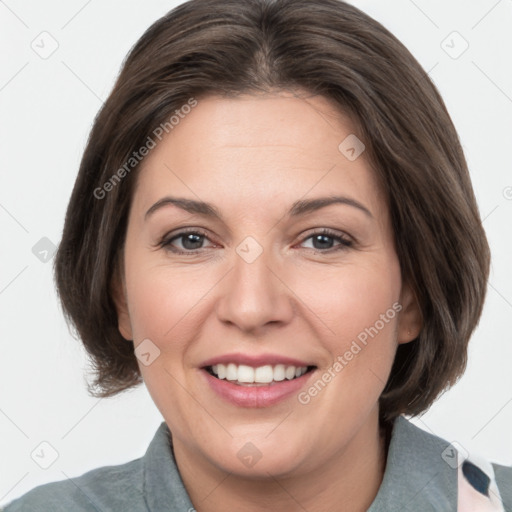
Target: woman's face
(268, 281)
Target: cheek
(351, 299)
(359, 305)
(163, 300)
(366, 328)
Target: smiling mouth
(266, 375)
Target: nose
(254, 294)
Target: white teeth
(232, 372)
(279, 372)
(261, 375)
(245, 373)
(289, 372)
(221, 371)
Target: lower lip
(256, 396)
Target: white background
(46, 110)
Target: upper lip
(255, 360)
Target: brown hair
(325, 47)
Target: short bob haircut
(328, 48)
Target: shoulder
(106, 488)
(434, 474)
(481, 484)
(503, 476)
(150, 482)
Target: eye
(190, 242)
(324, 241)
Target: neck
(348, 480)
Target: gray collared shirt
(417, 478)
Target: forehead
(252, 149)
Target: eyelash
(344, 244)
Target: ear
(119, 295)
(410, 319)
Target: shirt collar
(416, 475)
(163, 486)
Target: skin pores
(287, 291)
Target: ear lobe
(118, 292)
(410, 320)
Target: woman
(274, 228)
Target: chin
(258, 457)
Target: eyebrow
(298, 208)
